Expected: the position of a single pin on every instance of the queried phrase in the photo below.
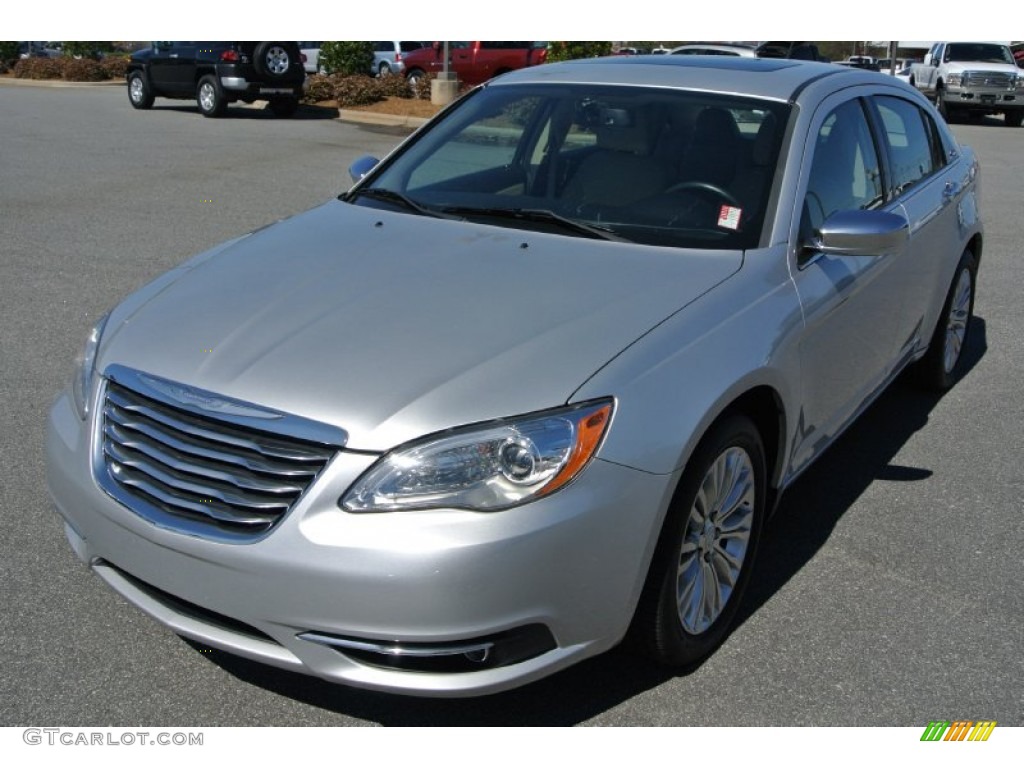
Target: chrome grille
(200, 474)
(990, 79)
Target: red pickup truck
(475, 62)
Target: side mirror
(860, 233)
(361, 167)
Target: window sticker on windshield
(729, 217)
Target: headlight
(953, 79)
(81, 384)
(487, 467)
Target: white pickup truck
(972, 78)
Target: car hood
(981, 66)
(392, 325)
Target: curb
(375, 118)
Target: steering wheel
(705, 186)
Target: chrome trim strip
(397, 649)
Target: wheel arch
(202, 72)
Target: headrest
(624, 131)
(764, 142)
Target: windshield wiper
(390, 196)
(540, 215)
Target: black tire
(940, 102)
(384, 69)
(414, 75)
(210, 97)
(283, 106)
(659, 627)
(140, 94)
(1014, 117)
(937, 370)
(272, 60)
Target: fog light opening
(473, 655)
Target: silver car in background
(534, 384)
(388, 55)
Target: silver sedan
(534, 384)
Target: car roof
(777, 79)
(739, 50)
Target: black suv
(215, 74)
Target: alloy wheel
(956, 323)
(715, 540)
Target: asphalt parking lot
(887, 592)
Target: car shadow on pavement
(807, 515)
(255, 112)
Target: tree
(8, 51)
(86, 48)
(347, 57)
(575, 49)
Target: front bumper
(572, 563)
(967, 97)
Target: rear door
(180, 67)
(926, 184)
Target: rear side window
(914, 150)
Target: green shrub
(85, 48)
(321, 88)
(8, 52)
(39, 69)
(395, 85)
(357, 90)
(576, 49)
(346, 57)
(116, 66)
(82, 70)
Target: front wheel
(384, 70)
(210, 97)
(940, 367)
(139, 93)
(414, 76)
(706, 550)
(940, 103)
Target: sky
(455, 19)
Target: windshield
(987, 52)
(653, 166)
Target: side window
(913, 151)
(844, 171)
